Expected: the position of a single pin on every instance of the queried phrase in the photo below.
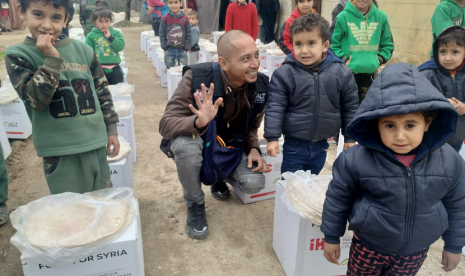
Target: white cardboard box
(210, 57)
(126, 129)
(4, 141)
(202, 55)
(299, 244)
(121, 173)
(274, 62)
(462, 153)
(173, 82)
(15, 120)
(124, 256)
(142, 41)
(262, 54)
(271, 178)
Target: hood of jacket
(402, 89)
(353, 10)
(434, 62)
(330, 57)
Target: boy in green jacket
(67, 99)
(448, 13)
(107, 43)
(362, 39)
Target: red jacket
(154, 4)
(285, 40)
(242, 18)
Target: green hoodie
(366, 40)
(448, 13)
(106, 49)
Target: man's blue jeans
(303, 155)
(174, 55)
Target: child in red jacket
(304, 7)
(242, 16)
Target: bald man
(232, 92)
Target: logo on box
(317, 244)
(10, 124)
(113, 172)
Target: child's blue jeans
(303, 155)
(174, 55)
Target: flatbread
(7, 94)
(123, 108)
(74, 225)
(124, 150)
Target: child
(242, 16)
(107, 43)
(448, 13)
(195, 49)
(363, 40)
(447, 73)
(175, 35)
(67, 99)
(304, 7)
(158, 8)
(190, 5)
(310, 96)
(402, 187)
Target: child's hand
(449, 260)
(458, 105)
(332, 252)
(106, 33)
(348, 61)
(113, 145)
(348, 145)
(272, 148)
(45, 43)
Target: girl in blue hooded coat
(402, 187)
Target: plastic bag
(275, 52)
(305, 194)
(123, 108)
(121, 89)
(124, 150)
(60, 229)
(7, 94)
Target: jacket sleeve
(178, 118)
(163, 42)
(276, 106)
(195, 36)
(386, 46)
(440, 20)
(229, 19)
(35, 87)
(188, 38)
(118, 42)
(340, 196)
(104, 96)
(255, 25)
(454, 202)
(287, 38)
(339, 32)
(349, 104)
(282, 46)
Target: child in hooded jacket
(402, 187)
(361, 37)
(107, 43)
(447, 13)
(447, 73)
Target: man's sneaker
(3, 214)
(220, 191)
(197, 226)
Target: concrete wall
(409, 20)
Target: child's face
(451, 56)
(193, 20)
(403, 133)
(44, 19)
(362, 5)
(174, 6)
(309, 47)
(103, 23)
(305, 6)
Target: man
(238, 112)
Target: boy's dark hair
(310, 22)
(194, 13)
(101, 10)
(66, 4)
(429, 115)
(455, 35)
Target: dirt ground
(240, 241)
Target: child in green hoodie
(448, 13)
(107, 43)
(362, 39)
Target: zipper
(454, 86)
(317, 104)
(236, 108)
(410, 210)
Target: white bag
(123, 108)
(121, 89)
(61, 229)
(7, 94)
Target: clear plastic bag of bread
(124, 150)
(305, 194)
(123, 107)
(58, 230)
(7, 94)
(121, 89)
